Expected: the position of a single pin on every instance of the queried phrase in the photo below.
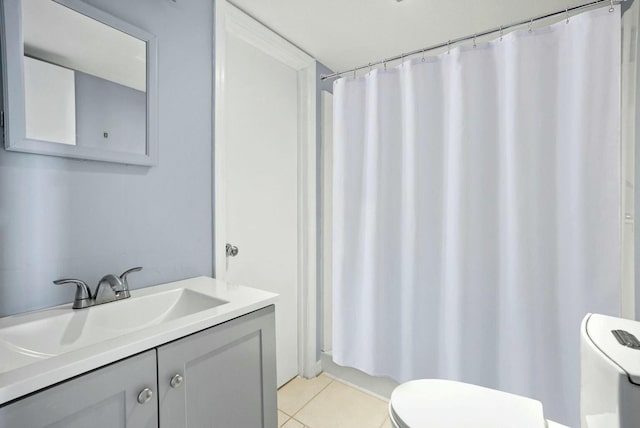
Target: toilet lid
(600, 328)
(449, 404)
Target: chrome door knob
(176, 380)
(145, 395)
(232, 250)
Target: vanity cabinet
(222, 377)
(104, 398)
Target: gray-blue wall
(107, 107)
(70, 218)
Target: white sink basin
(39, 349)
(48, 333)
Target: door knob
(145, 395)
(232, 250)
(176, 380)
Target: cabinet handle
(145, 395)
(176, 380)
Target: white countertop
(21, 375)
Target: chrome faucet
(109, 289)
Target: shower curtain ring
(501, 33)
(474, 40)
(530, 24)
(423, 54)
(448, 46)
(611, 9)
(567, 12)
(369, 67)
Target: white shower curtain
(476, 211)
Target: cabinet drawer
(104, 398)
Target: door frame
(231, 20)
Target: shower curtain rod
(473, 37)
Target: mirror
(78, 83)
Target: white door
(256, 183)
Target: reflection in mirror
(84, 81)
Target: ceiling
(343, 34)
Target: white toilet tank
(610, 372)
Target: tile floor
(324, 402)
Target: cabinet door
(228, 375)
(104, 398)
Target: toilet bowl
(609, 394)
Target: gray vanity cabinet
(104, 398)
(223, 377)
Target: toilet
(609, 393)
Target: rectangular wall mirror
(78, 82)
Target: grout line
(288, 415)
(362, 390)
(286, 420)
(311, 399)
(282, 387)
(299, 422)
(384, 422)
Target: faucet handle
(124, 274)
(83, 293)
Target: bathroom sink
(45, 334)
(41, 348)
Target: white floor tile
(295, 394)
(293, 424)
(340, 406)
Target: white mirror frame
(13, 112)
